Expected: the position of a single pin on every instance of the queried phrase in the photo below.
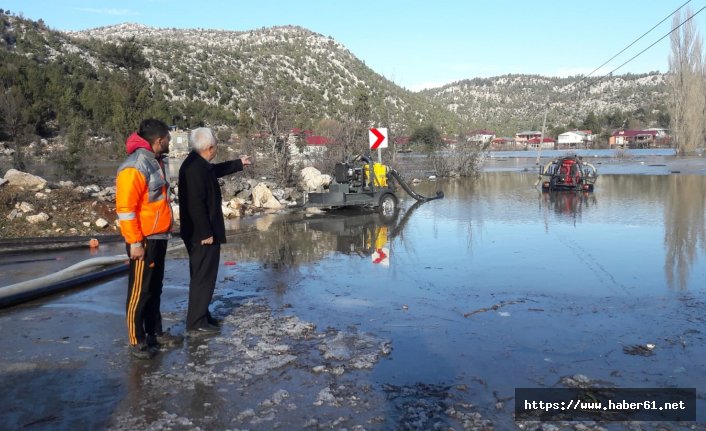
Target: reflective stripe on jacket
(142, 200)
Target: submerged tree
(687, 101)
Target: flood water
(576, 280)
(495, 287)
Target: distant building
(546, 143)
(502, 144)
(450, 142)
(480, 137)
(179, 145)
(662, 138)
(635, 138)
(402, 144)
(304, 146)
(575, 139)
(523, 137)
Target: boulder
(25, 207)
(279, 194)
(25, 180)
(233, 186)
(92, 189)
(244, 194)
(236, 202)
(262, 198)
(311, 179)
(37, 218)
(14, 214)
(296, 195)
(102, 223)
(237, 205)
(227, 211)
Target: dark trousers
(144, 291)
(203, 269)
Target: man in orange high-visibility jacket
(145, 216)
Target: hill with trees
(93, 87)
(511, 103)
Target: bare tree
(273, 118)
(687, 104)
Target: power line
(633, 43)
(643, 51)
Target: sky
(422, 44)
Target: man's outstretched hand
(246, 160)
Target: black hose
(28, 294)
(394, 174)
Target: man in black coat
(202, 227)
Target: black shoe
(213, 321)
(205, 329)
(142, 351)
(165, 339)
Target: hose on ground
(80, 273)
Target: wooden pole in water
(541, 141)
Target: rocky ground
(55, 211)
(30, 206)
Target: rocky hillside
(514, 102)
(315, 76)
(313, 73)
(320, 76)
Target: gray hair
(202, 138)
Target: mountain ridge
(318, 78)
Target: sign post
(378, 140)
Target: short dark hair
(152, 129)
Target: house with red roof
(304, 145)
(523, 137)
(633, 138)
(480, 136)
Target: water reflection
(569, 204)
(684, 233)
(633, 233)
(282, 243)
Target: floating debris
(494, 307)
(639, 350)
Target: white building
(480, 137)
(575, 138)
